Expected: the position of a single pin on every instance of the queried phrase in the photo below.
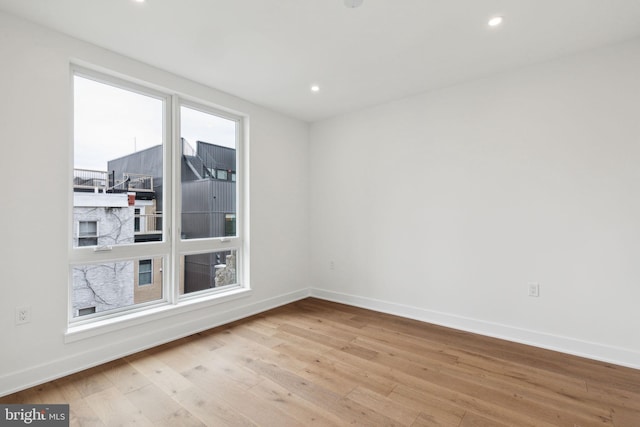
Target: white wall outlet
(534, 290)
(332, 265)
(23, 315)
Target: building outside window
(145, 272)
(86, 311)
(136, 220)
(230, 225)
(87, 233)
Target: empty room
(320, 212)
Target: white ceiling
(271, 51)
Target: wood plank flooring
(315, 362)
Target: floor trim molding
(35, 375)
(20, 380)
(590, 350)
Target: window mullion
(174, 236)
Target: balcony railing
(147, 223)
(135, 182)
(102, 181)
(90, 179)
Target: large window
(129, 147)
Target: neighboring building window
(123, 132)
(85, 311)
(145, 272)
(230, 225)
(136, 220)
(221, 174)
(88, 233)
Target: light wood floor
(319, 363)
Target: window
(210, 138)
(138, 178)
(86, 311)
(136, 220)
(209, 270)
(87, 233)
(222, 174)
(230, 225)
(145, 273)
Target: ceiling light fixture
(315, 88)
(495, 21)
(353, 3)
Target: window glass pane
(209, 154)
(118, 162)
(230, 225)
(85, 311)
(113, 285)
(145, 274)
(87, 233)
(136, 220)
(88, 229)
(209, 270)
(87, 241)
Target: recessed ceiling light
(139, 1)
(315, 88)
(353, 3)
(495, 21)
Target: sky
(110, 122)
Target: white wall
(444, 206)
(36, 139)
(441, 207)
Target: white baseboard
(590, 350)
(20, 380)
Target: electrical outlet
(534, 290)
(23, 315)
(332, 265)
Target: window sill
(89, 330)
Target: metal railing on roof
(90, 179)
(100, 180)
(136, 182)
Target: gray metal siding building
(208, 198)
